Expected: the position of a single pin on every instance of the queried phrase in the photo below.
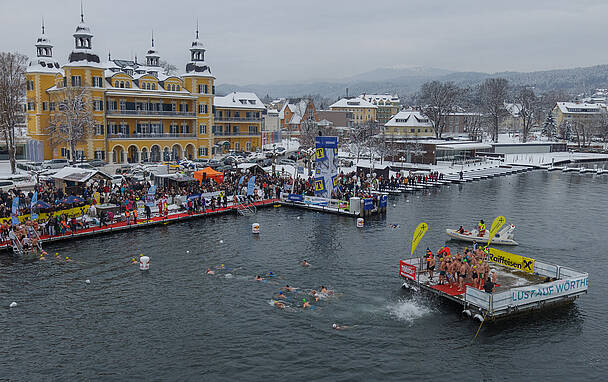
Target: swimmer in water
(323, 289)
(314, 295)
(288, 288)
(259, 278)
(279, 304)
(42, 257)
(280, 295)
(340, 327)
(306, 304)
(395, 226)
(304, 263)
(210, 272)
(133, 261)
(67, 260)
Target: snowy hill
(406, 81)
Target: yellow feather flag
(418, 233)
(496, 225)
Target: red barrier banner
(407, 270)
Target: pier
(516, 291)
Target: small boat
(503, 237)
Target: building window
(76, 81)
(237, 146)
(153, 86)
(30, 85)
(128, 84)
(52, 106)
(44, 107)
(98, 129)
(97, 82)
(248, 146)
(97, 105)
(100, 154)
(122, 84)
(253, 130)
(412, 130)
(202, 108)
(202, 129)
(116, 84)
(203, 151)
(31, 106)
(213, 89)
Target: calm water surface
(175, 323)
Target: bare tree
(12, 91)
(168, 67)
(73, 121)
(493, 93)
(438, 99)
(473, 126)
(602, 126)
(361, 139)
(528, 108)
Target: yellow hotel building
(141, 113)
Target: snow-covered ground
(290, 145)
(539, 159)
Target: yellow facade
(361, 110)
(140, 113)
(238, 122)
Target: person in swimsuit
(279, 304)
(305, 304)
(259, 278)
(304, 263)
(462, 275)
(323, 289)
(288, 288)
(442, 271)
(431, 266)
(210, 272)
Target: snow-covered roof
(44, 66)
(239, 100)
(464, 146)
(384, 98)
(409, 118)
(573, 107)
(76, 174)
(353, 103)
(513, 108)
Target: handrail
(152, 112)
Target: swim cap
(303, 300)
(334, 326)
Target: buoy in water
(144, 263)
(298, 218)
(187, 251)
(255, 228)
(13, 304)
(221, 241)
(360, 222)
(87, 281)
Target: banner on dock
(521, 263)
(368, 204)
(533, 293)
(418, 234)
(76, 211)
(496, 225)
(326, 166)
(407, 270)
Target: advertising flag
(34, 215)
(418, 234)
(496, 225)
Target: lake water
(176, 323)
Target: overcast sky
(262, 41)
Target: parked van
(55, 163)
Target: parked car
(6, 184)
(123, 169)
(266, 162)
(84, 165)
(97, 162)
(54, 163)
(117, 179)
(223, 168)
(293, 156)
(229, 160)
(287, 162)
(214, 164)
(280, 150)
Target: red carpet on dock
(452, 290)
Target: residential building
(293, 114)
(409, 124)
(362, 111)
(458, 123)
(388, 105)
(512, 121)
(573, 113)
(141, 113)
(238, 122)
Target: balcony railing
(151, 135)
(236, 119)
(236, 134)
(173, 113)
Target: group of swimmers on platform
(458, 270)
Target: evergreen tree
(549, 127)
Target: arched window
(127, 84)
(148, 86)
(122, 84)
(177, 88)
(153, 86)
